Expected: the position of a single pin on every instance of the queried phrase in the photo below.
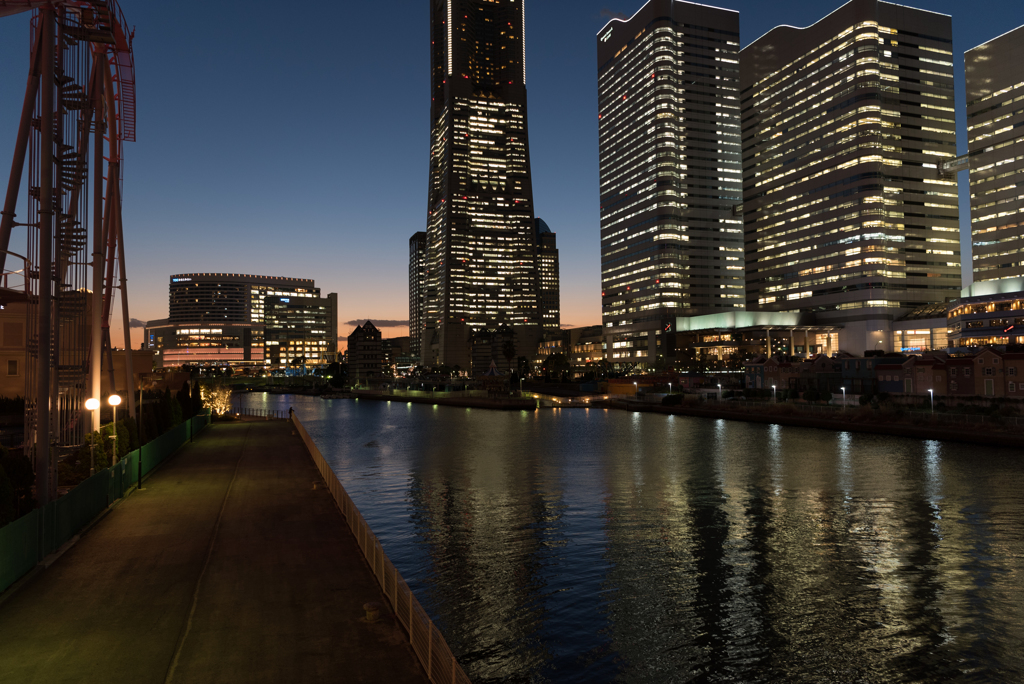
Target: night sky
(291, 139)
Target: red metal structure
(79, 109)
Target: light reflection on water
(591, 545)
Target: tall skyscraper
(481, 266)
(548, 278)
(417, 291)
(846, 124)
(995, 117)
(668, 94)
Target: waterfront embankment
(895, 422)
(232, 564)
(859, 419)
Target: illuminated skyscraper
(995, 118)
(668, 93)
(481, 265)
(547, 274)
(417, 290)
(846, 124)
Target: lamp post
(114, 401)
(844, 397)
(92, 405)
(719, 391)
(670, 388)
(931, 395)
(636, 391)
(774, 396)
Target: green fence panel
(19, 548)
(36, 535)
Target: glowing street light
(774, 395)
(719, 391)
(114, 401)
(931, 395)
(844, 397)
(92, 404)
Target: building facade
(417, 291)
(670, 172)
(365, 356)
(221, 318)
(481, 252)
(846, 124)
(298, 330)
(995, 118)
(547, 275)
(991, 313)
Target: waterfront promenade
(232, 564)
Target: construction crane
(79, 109)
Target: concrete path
(231, 565)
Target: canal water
(599, 546)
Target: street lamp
(774, 396)
(719, 392)
(636, 391)
(670, 388)
(91, 405)
(114, 401)
(931, 395)
(844, 397)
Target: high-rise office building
(547, 274)
(846, 124)
(298, 330)
(482, 268)
(668, 94)
(995, 118)
(417, 291)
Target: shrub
(22, 476)
(8, 500)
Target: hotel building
(482, 257)
(670, 173)
(846, 124)
(221, 318)
(995, 131)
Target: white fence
(426, 639)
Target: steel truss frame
(79, 109)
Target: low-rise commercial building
(989, 313)
(222, 319)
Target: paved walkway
(231, 565)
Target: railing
(32, 537)
(427, 641)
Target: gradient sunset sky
(291, 139)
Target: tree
(197, 399)
(185, 400)
(508, 350)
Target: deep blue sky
(291, 138)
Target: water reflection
(582, 546)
